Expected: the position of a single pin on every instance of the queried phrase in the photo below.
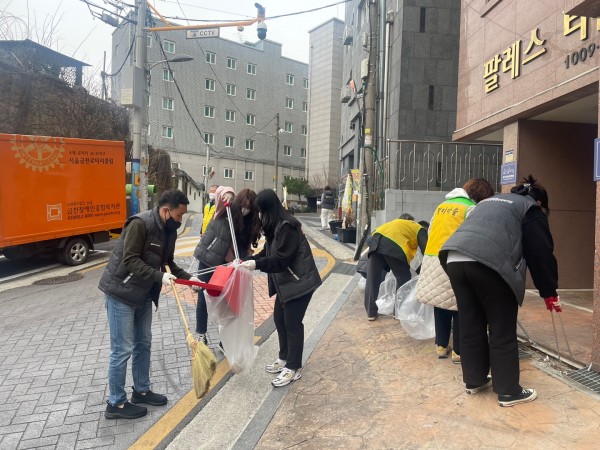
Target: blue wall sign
(597, 159)
(508, 173)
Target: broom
(203, 360)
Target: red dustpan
(215, 286)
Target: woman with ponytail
(486, 260)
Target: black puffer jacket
(328, 199)
(214, 243)
(289, 262)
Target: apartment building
(217, 114)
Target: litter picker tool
(204, 363)
(531, 342)
(556, 334)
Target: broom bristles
(204, 365)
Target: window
(230, 115)
(168, 46)
(289, 79)
(289, 127)
(251, 69)
(422, 20)
(231, 63)
(149, 40)
(287, 150)
(211, 57)
(251, 119)
(230, 89)
(250, 94)
(209, 138)
(148, 129)
(149, 99)
(304, 130)
(228, 173)
(167, 132)
(289, 103)
(249, 175)
(302, 153)
(206, 170)
(249, 144)
(167, 75)
(209, 84)
(209, 111)
(304, 106)
(167, 103)
(229, 141)
(305, 83)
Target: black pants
(201, 311)
(379, 265)
(446, 321)
(485, 302)
(288, 318)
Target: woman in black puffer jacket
(293, 278)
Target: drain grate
(59, 280)
(587, 378)
(344, 269)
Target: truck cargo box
(53, 187)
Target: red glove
(553, 303)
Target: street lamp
(139, 166)
(176, 59)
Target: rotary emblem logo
(38, 152)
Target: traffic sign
(204, 33)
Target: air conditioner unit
(348, 39)
(346, 94)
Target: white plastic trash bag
(233, 311)
(415, 317)
(386, 299)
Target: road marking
(174, 416)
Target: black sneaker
(151, 398)
(128, 411)
(526, 395)
(474, 389)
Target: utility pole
(206, 176)
(366, 160)
(139, 163)
(275, 178)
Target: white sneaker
(286, 377)
(275, 367)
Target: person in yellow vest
(393, 246)
(433, 287)
(209, 208)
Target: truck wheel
(75, 252)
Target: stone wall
(38, 104)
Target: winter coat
(433, 287)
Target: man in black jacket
(131, 282)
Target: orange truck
(59, 195)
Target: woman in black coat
(293, 278)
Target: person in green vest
(392, 247)
(433, 287)
(209, 208)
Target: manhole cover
(60, 280)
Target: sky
(76, 33)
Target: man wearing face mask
(209, 208)
(131, 282)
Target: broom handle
(168, 269)
(230, 220)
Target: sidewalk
(369, 385)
